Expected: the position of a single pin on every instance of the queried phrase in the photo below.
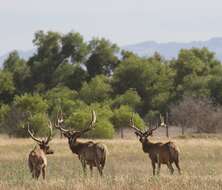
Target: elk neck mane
(149, 146)
(77, 146)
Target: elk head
(72, 135)
(43, 143)
(143, 136)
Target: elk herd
(94, 154)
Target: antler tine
(150, 130)
(132, 125)
(32, 136)
(92, 123)
(60, 117)
(162, 124)
(59, 121)
(50, 133)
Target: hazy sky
(121, 21)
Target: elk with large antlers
(159, 153)
(89, 153)
(37, 160)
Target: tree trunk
(183, 130)
(167, 130)
(121, 133)
(167, 126)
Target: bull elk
(89, 153)
(37, 160)
(159, 153)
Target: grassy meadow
(127, 167)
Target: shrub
(198, 114)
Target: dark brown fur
(89, 153)
(159, 153)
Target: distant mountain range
(168, 50)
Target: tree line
(69, 74)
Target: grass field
(127, 167)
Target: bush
(122, 117)
(103, 129)
(62, 98)
(33, 103)
(130, 98)
(81, 118)
(198, 114)
(20, 113)
(4, 111)
(39, 124)
(97, 90)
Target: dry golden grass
(127, 167)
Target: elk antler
(132, 125)
(32, 136)
(50, 134)
(91, 125)
(162, 124)
(60, 121)
(150, 130)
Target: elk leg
(154, 167)
(158, 163)
(159, 166)
(43, 172)
(99, 168)
(33, 174)
(37, 173)
(83, 166)
(91, 170)
(178, 166)
(30, 166)
(170, 168)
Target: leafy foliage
(97, 90)
(69, 74)
(7, 87)
(103, 58)
(121, 118)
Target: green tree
(46, 60)
(103, 57)
(74, 47)
(20, 71)
(122, 116)
(53, 51)
(7, 87)
(4, 110)
(130, 98)
(70, 75)
(62, 98)
(192, 66)
(152, 79)
(97, 90)
(24, 109)
(32, 103)
(215, 84)
(80, 119)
